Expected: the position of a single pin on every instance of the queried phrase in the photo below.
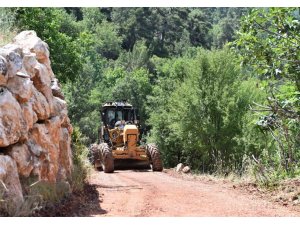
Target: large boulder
(53, 127)
(13, 55)
(21, 87)
(186, 169)
(179, 167)
(42, 79)
(56, 90)
(12, 123)
(10, 187)
(44, 141)
(23, 158)
(30, 63)
(3, 71)
(29, 42)
(29, 115)
(59, 108)
(39, 143)
(40, 105)
(65, 155)
(42, 82)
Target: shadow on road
(127, 168)
(143, 171)
(80, 203)
(120, 187)
(130, 164)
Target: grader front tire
(154, 156)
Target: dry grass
(79, 175)
(285, 192)
(26, 208)
(38, 195)
(6, 37)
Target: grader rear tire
(106, 158)
(154, 156)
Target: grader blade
(131, 164)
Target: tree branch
(275, 34)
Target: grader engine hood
(130, 134)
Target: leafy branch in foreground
(268, 44)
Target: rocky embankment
(35, 141)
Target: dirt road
(146, 193)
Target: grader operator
(119, 138)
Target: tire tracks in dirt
(146, 193)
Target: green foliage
(137, 58)
(83, 109)
(58, 30)
(107, 42)
(99, 53)
(268, 43)
(223, 32)
(7, 30)
(213, 109)
(91, 18)
(197, 117)
(135, 87)
(226, 25)
(81, 166)
(198, 27)
(135, 24)
(166, 29)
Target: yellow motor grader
(119, 138)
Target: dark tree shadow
(80, 203)
(131, 164)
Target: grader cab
(120, 145)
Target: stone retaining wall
(35, 131)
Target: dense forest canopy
(217, 88)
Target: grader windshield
(113, 112)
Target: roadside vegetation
(217, 88)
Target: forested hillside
(217, 88)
